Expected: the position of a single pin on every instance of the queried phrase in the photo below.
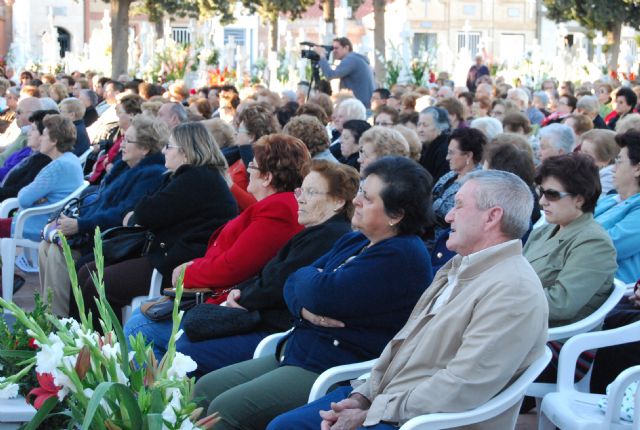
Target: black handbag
(210, 321)
(161, 308)
(122, 243)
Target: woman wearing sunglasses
(573, 255)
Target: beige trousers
(55, 276)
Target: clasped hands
(348, 414)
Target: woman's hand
(232, 298)
(67, 226)
(319, 320)
(177, 271)
(635, 297)
(127, 217)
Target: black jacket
(23, 174)
(264, 292)
(434, 156)
(187, 208)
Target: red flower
(33, 344)
(46, 390)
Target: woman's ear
(266, 178)
(338, 204)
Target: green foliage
(595, 14)
(156, 9)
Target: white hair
(353, 109)
(560, 136)
(47, 103)
(491, 127)
(588, 104)
(508, 191)
(520, 95)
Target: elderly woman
(352, 131)
(193, 201)
(312, 133)
(138, 173)
(555, 139)
(350, 108)
(58, 92)
(325, 210)
(378, 142)
(223, 134)
(89, 99)
(572, 254)
(601, 146)
(343, 307)
(619, 214)
(23, 173)
(54, 182)
(73, 109)
(128, 107)
(433, 131)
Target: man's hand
(344, 415)
(232, 298)
(177, 271)
(319, 320)
(320, 51)
(67, 226)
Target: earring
(391, 224)
(467, 162)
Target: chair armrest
(7, 206)
(269, 344)
(594, 320)
(156, 283)
(616, 393)
(338, 374)
(45, 209)
(586, 341)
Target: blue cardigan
(622, 222)
(373, 294)
(120, 191)
(53, 183)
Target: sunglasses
(551, 195)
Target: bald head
(26, 107)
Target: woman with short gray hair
(433, 130)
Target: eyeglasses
(309, 192)
(168, 146)
(243, 130)
(252, 166)
(551, 195)
(384, 123)
(125, 140)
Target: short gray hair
(91, 95)
(178, 110)
(497, 188)
(588, 104)
(440, 117)
(353, 109)
(560, 136)
(544, 98)
(519, 94)
(491, 127)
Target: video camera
(308, 53)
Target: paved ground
(24, 298)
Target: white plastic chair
(9, 245)
(154, 291)
(83, 157)
(269, 344)
(15, 412)
(593, 321)
(494, 407)
(569, 408)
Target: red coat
(240, 249)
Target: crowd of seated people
(352, 227)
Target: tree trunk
(159, 26)
(616, 32)
(379, 39)
(273, 23)
(329, 11)
(119, 37)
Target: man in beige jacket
(479, 325)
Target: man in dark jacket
(354, 70)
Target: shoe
(18, 282)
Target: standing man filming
(354, 70)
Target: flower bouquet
(103, 382)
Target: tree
(156, 10)
(605, 15)
(119, 36)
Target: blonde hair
(198, 146)
(385, 141)
(415, 146)
(74, 106)
(223, 134)
(58, 92)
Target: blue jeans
(307, 417)
(210, 354)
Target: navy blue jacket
(121, 189)
(373, 294)
(82, 138)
